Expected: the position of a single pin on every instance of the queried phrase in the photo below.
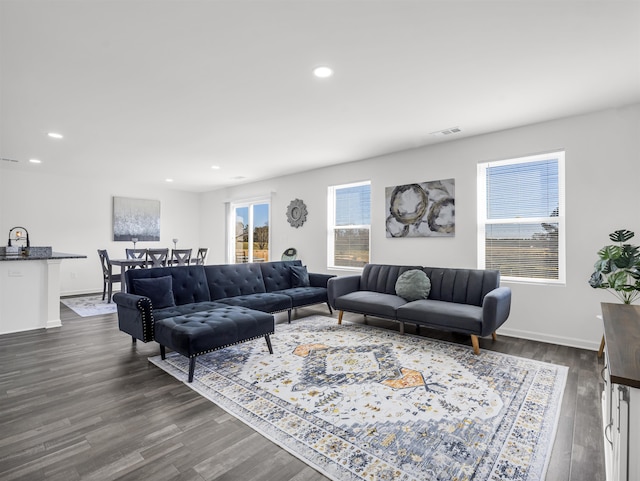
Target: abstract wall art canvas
(426, 209)
(136, 218)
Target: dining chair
(180, 257)
(201, 256)
(108, 277)
(157, 257)
(136, 254)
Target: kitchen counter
(39, 257)
(30, 290)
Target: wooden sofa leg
(289, 316)
(329, 306)
(340, 317)
(163, 354)
(494, 336)
(266, 337)
(476, 344)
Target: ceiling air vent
(9, 160)
(450, 131)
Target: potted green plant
(618, 269)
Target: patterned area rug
(86, 306)
(363, 403)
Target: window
(249, 232)
(521, 218)
(349, 223)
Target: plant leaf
(622, 235)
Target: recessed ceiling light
(169, 180)
(35, 161)
(54, 135)
(323, 72)
(215, 167)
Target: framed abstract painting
(136, 218)
(426, 209)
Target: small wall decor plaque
(421, 210)
(296, 213)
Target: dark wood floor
(82, 402)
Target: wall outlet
(72, 275)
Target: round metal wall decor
(296, 213)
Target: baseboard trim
(89, 292)
(550, 339)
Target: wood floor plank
(81, 402)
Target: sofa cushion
(463, 286)
(158, 290)
(299, 276)
(382, 278)
(413, 285)
(373, 303)
(205, 331)
(186, 309)
(277, 274)
(232, 280)
(449, 316)
(265, 302)
(305, 296)
(189, 283)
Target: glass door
(250, 232)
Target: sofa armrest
(496, 307)
(319, 280)
(339, 286)
(135, 315)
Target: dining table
(127, 264)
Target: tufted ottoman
(205, 331)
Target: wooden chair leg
(340, 317)
(494, 336)
(476, 344)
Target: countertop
(622, 337)
(39, 257)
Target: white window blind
(349, 224)
(521, 218)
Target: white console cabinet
(621, 394)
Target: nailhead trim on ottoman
(206, 331)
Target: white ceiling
(166, 89)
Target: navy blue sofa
(169, 292)
(468, 301)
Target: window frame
(483, 221)
(331, 225)
(231, 227)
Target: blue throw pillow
(158, 289)
(413, 285)
(299, 276)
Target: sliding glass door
(250, 232)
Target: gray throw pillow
(299, 276)
(158, 289)
(413, 285)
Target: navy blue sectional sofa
(468, 301)
(182, 290)
(198, 309)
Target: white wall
(602, 161)
(75, 215)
